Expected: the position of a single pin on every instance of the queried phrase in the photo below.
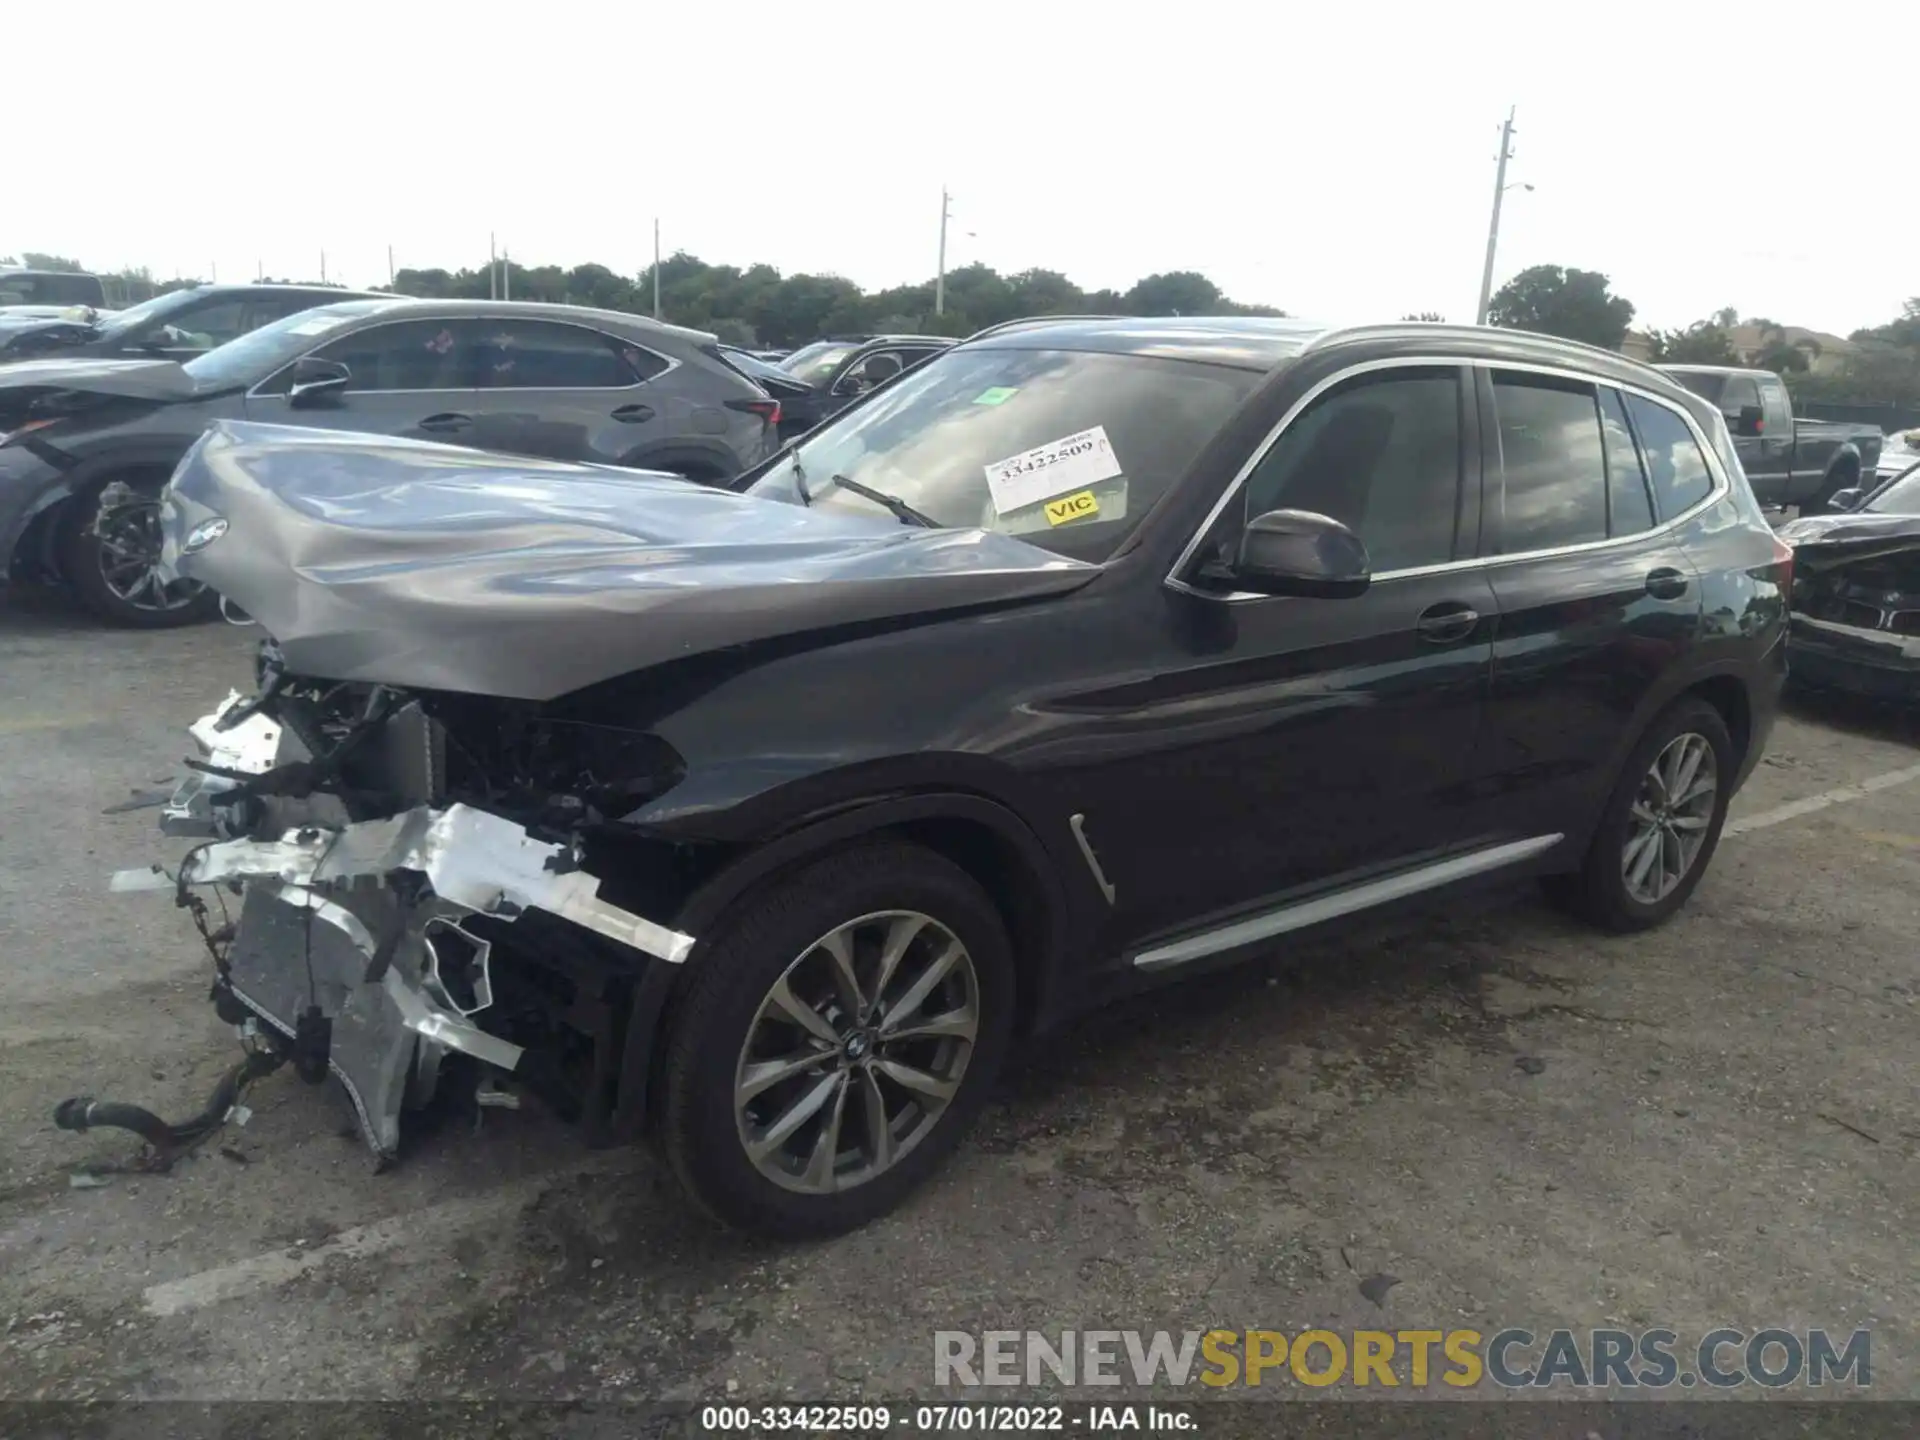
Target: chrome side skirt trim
(1079, 823)
(1366, 896)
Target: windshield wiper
(800, 481)
(902, 511)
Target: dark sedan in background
(837, 371)
(86, 445)
(1856, 592)
(175, 326)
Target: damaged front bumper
(355, 938)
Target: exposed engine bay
(1856, 602)
(417, 907)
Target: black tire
(82, 567)
(1844, 477)
(730, 976)
(1598, 892)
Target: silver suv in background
(86, 445)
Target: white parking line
(276, 1267)
(1839, 795)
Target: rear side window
(1675, 466)
(1553, 464)
(1381, 455)
(1777, 410)
(534, 355)
(1629, 508)
(1739, 393)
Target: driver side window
(409, 355)
(1379, 453)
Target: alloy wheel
(856, 1051)
(1670, 817)
(128, 537)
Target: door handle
(1446, 622)
(446, 423)
(633, 414)
(1666, 583)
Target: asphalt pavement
(1517, 1121)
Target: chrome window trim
(1369, 895)
(1722, 483)
(253, 391)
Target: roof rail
(1429, 327)
(1039, 320)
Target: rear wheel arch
(1728, 694)
(692, 462)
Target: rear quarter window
(1676, 469)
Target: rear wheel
(1844, 477)
(1661, 825)
(836, 1041)
(109, 554)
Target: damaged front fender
(355, 932)
(476, 862)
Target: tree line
(759, 306)
(1880, 367)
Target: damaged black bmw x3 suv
(1089, 654)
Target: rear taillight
(767, 410)
(1782, 566)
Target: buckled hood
(1823, 541)
(134, 379)
(430, 566)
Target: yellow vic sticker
(1072, 507)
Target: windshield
(814, 363)
(136, 315)
(1901, 495)
(26, 287)
(257, 354)
(1063, 448)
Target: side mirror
(317, 382)
(1748, 422)
(1847, 499)
(1297, 552)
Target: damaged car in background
(1856, 592)
(1087, 655)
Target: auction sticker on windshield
(1056, 468)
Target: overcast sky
(1333, 159)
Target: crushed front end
(417, 908)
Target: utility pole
(1493, 226)
(656, 267)
(506, 274)
(493, 269)
(389, 267)
(323, 267)
(940, 276)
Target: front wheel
(1661, 825)
(110, 554)
(836, 1040)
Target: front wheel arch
(984, 838)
